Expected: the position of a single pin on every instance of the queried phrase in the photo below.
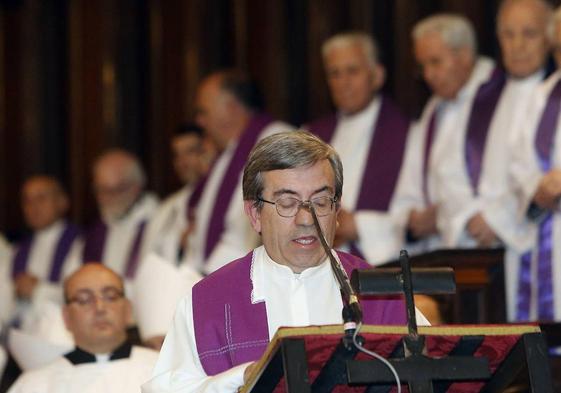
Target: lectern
(297, 357)
(430, 359)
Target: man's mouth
(305, 240)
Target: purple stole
(67, 237)
(481, 115)
(384, 156)
(230, 330)
(94, 243)
(545, 133)
(231, 179)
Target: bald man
(42, 260)
(96, 313)
(125, 207)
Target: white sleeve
(178, 368)
(457, 202)
(380, 238)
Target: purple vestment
(480, 117)
(230, 330)
(231, 179)
(63, 246)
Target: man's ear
(254, 215)
(378, 76)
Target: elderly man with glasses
(96, 313)
(226, 321)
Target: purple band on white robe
(230, 330)
(94, 245)
(543, 143)
(231, 179)
(384, 159)
(64, 243)
(481, 115)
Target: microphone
(352, 312)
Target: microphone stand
(352, 312)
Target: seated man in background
(96, 313)
(45, 257)
(169, 228)
(125, 207)
(228, 318)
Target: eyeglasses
(86, 298)
(289, 206)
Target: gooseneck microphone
(352, 312)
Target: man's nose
(304, 215)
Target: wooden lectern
(480, 293)
(459, 359)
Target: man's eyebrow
(284, 191)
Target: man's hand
(346, 228)
(549, 190)
(422, 223)
(478, 228)
(248, 372)
(25, 284)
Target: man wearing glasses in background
(226, 321)
(96, 313)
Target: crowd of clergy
(480, 168)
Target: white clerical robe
(6, 288)
(121, 234)
(379, 236)
(61, 376)
(291, 300)
(451, 116)
(39, 264)
(238, 237)
(526, 174)
(164, 231)
(492, 198)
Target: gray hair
(365, 41)
(455, 30)
(287, 150)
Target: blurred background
(79, 76)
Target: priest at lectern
(227, 320)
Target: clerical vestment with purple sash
(67, 237)
(230, 330)
(94, 245)
(384, 158)
(231, 179)
(481, 115)
(547, 127)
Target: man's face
(293, 241)
(186, 151)
(214, 110)
(97, 314)
(115, 194)
(444, 69)
(522, 37)
(352, 79)
(42, 203)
